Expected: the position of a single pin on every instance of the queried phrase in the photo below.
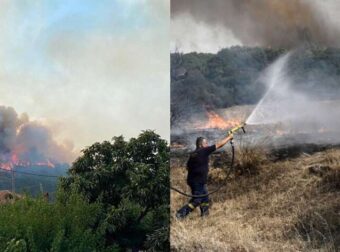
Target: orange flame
(215, 121)
(15, 161)
(6, 166)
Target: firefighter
(198, 168)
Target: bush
(35, 225)
(249, 156)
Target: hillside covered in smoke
(25, 142)
(203, 81)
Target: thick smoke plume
(272, 23)
(29, 141)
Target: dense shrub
(35, 225)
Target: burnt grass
(288, 198)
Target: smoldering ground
(29, 140)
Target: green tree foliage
(231, 77)
(130, 179)
(216, 80)
(115, 198)
(36, 225)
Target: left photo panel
(84, 125)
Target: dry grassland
(288, 205)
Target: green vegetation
(231, 77)
(35, 225)
(116, 197)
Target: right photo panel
(255, 125)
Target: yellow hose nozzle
(241, 126)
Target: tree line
(231, 76)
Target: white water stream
(295, 110)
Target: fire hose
(233, 130)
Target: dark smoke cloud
(272, 23)
(29, 140)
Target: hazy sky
(89, 69)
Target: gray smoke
(272, 23)
(29, 140)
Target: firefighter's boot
(204, 207)
(184, 211)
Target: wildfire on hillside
(15, 161)
(26, 143)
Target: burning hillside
(287, 114)
(15, 162)
(25, 143)
(215, 123)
